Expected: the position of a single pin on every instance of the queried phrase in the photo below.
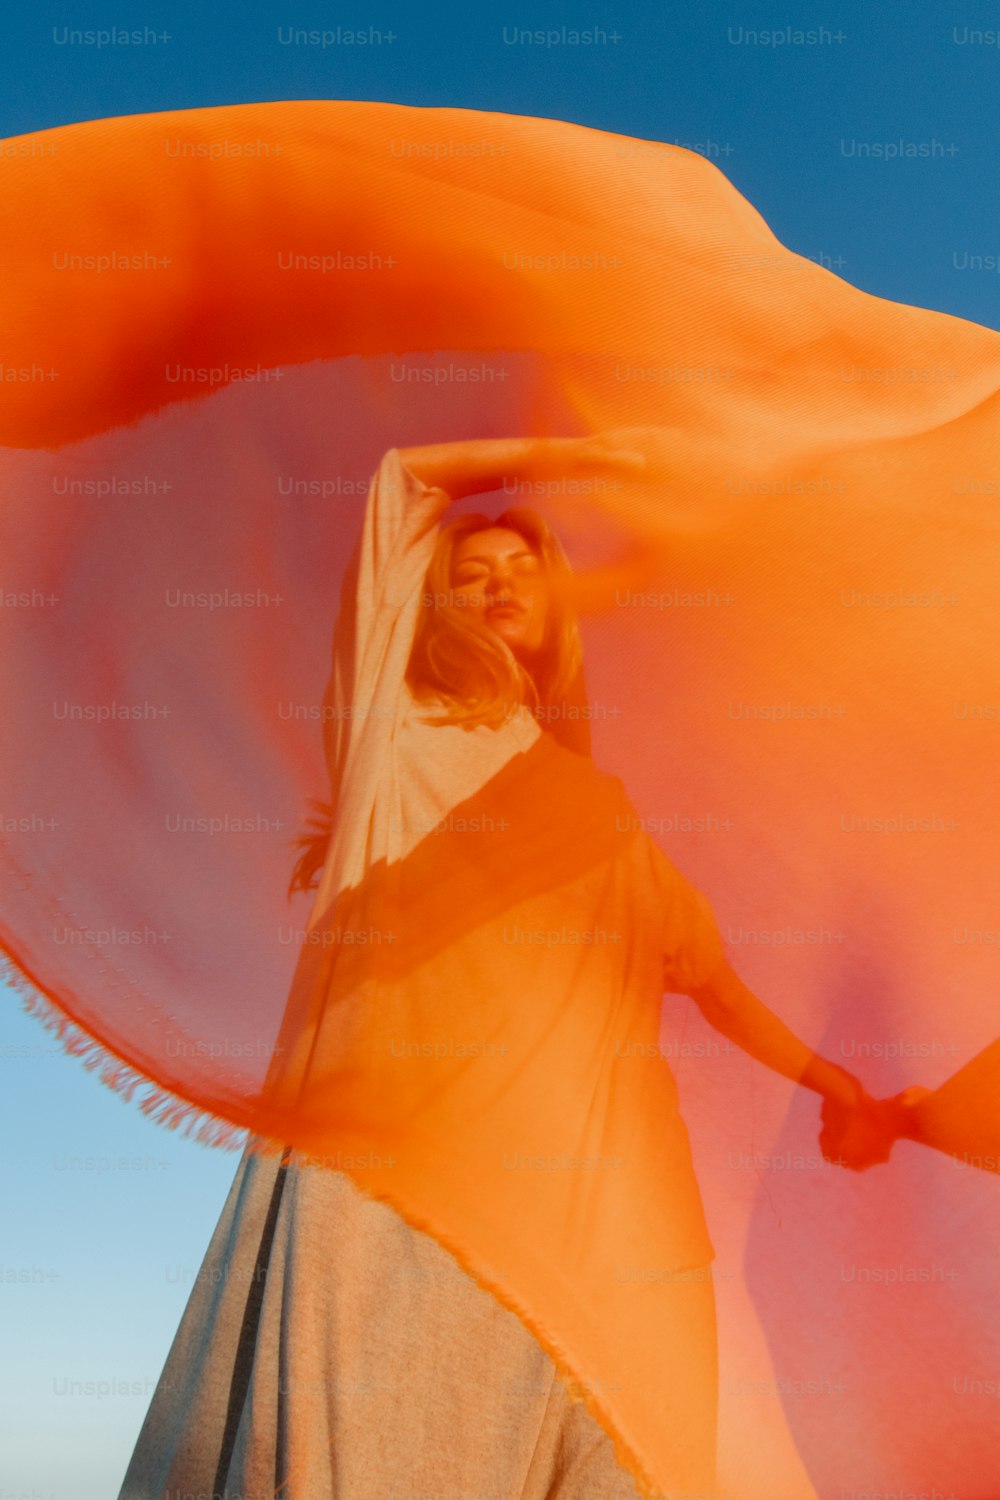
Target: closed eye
(468, 572)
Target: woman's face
(502, 579)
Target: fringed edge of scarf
(161, 1105)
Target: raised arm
(478, 465)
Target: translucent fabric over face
(222, 331)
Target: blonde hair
(471, 676)
(458, 661)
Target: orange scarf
(217, 322)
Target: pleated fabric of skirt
(328, 1349)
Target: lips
(504, 609)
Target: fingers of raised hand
(617, 450)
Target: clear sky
(106, 1217)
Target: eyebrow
(479, 557)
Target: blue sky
(107, 1216)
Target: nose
(498, 587)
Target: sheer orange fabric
(220, 328)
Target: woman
(330, 1346)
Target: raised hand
(619, 449)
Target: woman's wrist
(834, 1082)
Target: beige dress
(329, 1350)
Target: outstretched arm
(734, 1010)
(858, 1131)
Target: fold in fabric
(221, 328)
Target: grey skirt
(330, 1351)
